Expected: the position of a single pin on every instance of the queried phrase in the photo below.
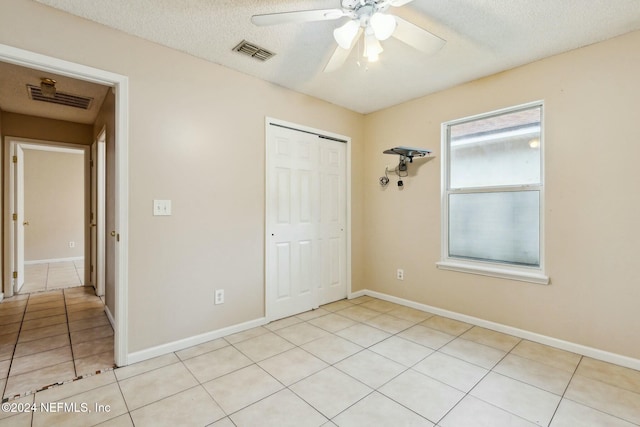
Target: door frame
(297, 127)
(97, 183)
(11, 144)
(120, 85)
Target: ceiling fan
(366, 16)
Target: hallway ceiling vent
(60, 98)
(253, 50)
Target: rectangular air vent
(253, 50)
(60, 98)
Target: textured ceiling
(483, 37)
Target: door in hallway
(97, 220)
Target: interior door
(293, 212)
(333, 219)
(97, 223)
(20, 221)
(306, 219)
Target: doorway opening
(64, 331)
(47, 201)
(117, 139)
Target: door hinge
(92, 268)
(15, 216)
(91, 163)
(15, 159)
(15, 274)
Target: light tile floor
(363, 362)
(50, 337)
(55, 275)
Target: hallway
(52, 337)
(54, 275)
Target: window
(492, 188)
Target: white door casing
(98, 213)
(17, 147)
(120, 84)
(306, 219)
(18, 209)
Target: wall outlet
(72, 244)
(400, 274)
(219, 296)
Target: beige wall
(198, 141)
(53, 205)
(592, 200)
(46, 129)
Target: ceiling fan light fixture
(372, 47)
(383, 25)
(346, 34)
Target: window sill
(503, 273)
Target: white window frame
(490, 268)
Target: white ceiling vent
(253, 50)
(60, 98)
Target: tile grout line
(256, 363)
(15, 346)
(46, 387)
(575, 372)
(66, 313)
(334, 333)
(489, 371)
(565, 390)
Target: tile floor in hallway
(51, 337)
(363, 362)
(55, 275)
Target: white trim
(347, 141)
(503, 273)
(584, 350)
(501, 270)
(53, 260)
(12, 142)
(50, 147)
(348, 225)
(357, 294)
(181, 344)
(109, 316)
(45, 63)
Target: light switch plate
(161, 207)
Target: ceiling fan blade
(297, 17)
(340, 55)
(398, 3)
(417, 37)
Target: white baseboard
(356, 294)
(110, 317)
(163, 349)
(594, 353)
(48, 261)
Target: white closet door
(303, 229)
(333, 221)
